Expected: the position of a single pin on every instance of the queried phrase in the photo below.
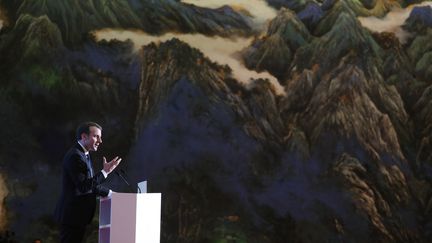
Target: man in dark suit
(76, 206)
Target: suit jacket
(77, 203)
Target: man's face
(92, 140)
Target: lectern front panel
(123, 217)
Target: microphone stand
(127, 183)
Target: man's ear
(84, 136)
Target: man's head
(90, 135)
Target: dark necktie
(89, 165)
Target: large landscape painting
(259, 121)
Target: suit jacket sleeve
(97, 188)
(78, 172)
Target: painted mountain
(258, 121)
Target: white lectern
(130, 218)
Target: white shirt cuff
(104, 173)
(109, 193)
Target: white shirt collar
(86, 152)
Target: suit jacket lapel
(85, 159)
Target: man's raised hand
(108, 167)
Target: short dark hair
(85, 128)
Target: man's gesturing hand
(108, 167)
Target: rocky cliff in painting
(342, 155)
(77, 18)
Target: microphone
(127, 183)
(139, 189)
